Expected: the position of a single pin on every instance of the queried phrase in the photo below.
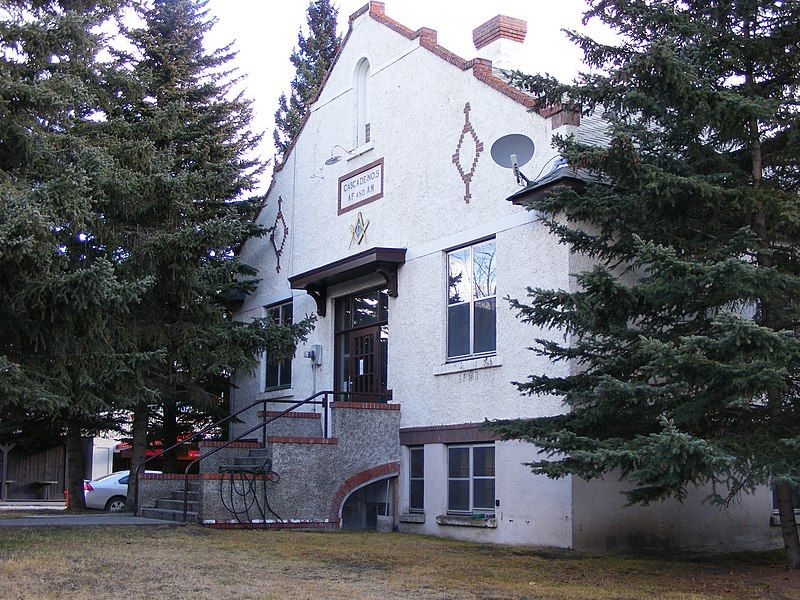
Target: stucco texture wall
(533, 510)
(602, 522)
(417, 116)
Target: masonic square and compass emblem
(359, 230)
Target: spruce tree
(62, 357)
(312, 58)
(186, 177)
(684, 333)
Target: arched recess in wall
(362, 97)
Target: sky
(265, 32)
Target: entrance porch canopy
(383, 261)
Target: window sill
(468, 364)
(277, 393)
(412, 518)
(362, 149)
(467, 521)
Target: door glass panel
(384, 355)
(458, 330)
(344, 363)
(458, 278)
(384, 312)
(344, 313)
(485, 325)
(365, 309)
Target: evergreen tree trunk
(783, 491)
(169, 436)
(138, 451)
(788, 525)
(75, 468)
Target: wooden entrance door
(365, 363)
(362, 341)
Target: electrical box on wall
(315, 354)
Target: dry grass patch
(202, 563)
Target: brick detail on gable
(481, 68)
(499, 27)
(467, 171)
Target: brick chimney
(500, 40)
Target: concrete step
(194, 486)
(176, 504)
(236, 468)
(178, 495)
(260, 452)
(250, 460)
(167, 515)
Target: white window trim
(276, 388)
(414, 510)
(471, 301)
(490, 512)
(361, 85)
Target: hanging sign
(361, 186)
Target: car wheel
(116, 504)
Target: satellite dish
(513, 151)
(514, 144)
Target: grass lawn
(172, 562)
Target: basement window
(416, 480)
(470, 480)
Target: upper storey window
(362, 102)
(471, 300)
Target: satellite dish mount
(512, 152)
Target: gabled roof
(480, 67)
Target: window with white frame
(278, 374)
(470, 479)
(471, 300)
(416, 479)
(362, 102)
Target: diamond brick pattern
(279, 234)
(467, 171)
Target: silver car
(108, 492)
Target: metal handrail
(263, 424)
(187, 440)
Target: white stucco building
(405, 248)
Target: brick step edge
(195, 476)
(367, 405)
(218, 443)
(277, 439)
(291, 415)
(328, 525)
